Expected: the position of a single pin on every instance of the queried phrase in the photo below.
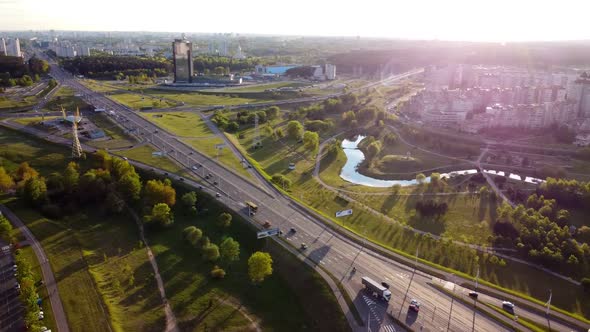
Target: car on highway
(207, 176)
(384, 284)
(266, 224)
(303, 246)
(508, 306)
(414, 305)
(217, 195)
(293, 230)
(473, 294)
(215, 183)
(194, 167)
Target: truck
(376, 289)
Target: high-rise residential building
(2, 46)
(13, 48)
(182, 55)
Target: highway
(326, 247)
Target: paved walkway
(58, 310)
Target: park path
(59, 314)
(171, 322)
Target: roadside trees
(295, 129)
(259, 266)
(160, 215)
(224, 220)
(229, 249)
(311, 140)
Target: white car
(507, 305)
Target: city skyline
(502, 21)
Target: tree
(217, 272)
(295, 130)
(161, 215)
(113, 203)
(6, 181)
(156, 191)
(282, 181)
(259, 266)
(25, 172)
(193, 235)
(373, 149)
(229, 249)
(311, 140)
(129, 186)
(35, 191)
(211, 252)
(272, 112)
(71, 177)
(6, 229)
(420, 178)
(586, 285)
(224, 220)
(189, 199)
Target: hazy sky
(490, 20)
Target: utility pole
(475, 299)
(409, 284)
(452, 301)
(547, 311)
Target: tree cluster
(14, 71)
(116, 66)
(207, 64)
(28, 292)
(537, 234)
(431, 208)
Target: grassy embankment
(194, 131)
(274, 157)
(96, 257)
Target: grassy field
(144, 155)
(97, 257)
(138, 101)
(224, 156)
(77, 247)
(190, 290)
(187, 124)
(32, 120)
(65, 97)
(264, 87)
(98, 86)
(7, 103)
(29, 255)
(117, 137)
(198, 99)
(464, 221)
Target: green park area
(194, 131)
(264, 87)
(65, 97)
(200, 99)
(379, 214)
(107, 283)
(7, 103)
(139, 101)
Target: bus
(252, 208)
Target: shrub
(217, 272)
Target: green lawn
(117, 137)
(29, 255)
(138, 101)
(65, 97)
(198, 99)
(144, 155)
(190, 289)
(464, 221)
(225, 156)
(264, 87)
(32, 120)
(98, 86)
(7, 103)
(187, 124)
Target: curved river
(354, 157)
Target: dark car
(473, 294)
(384, 284)
(215, 183)
(293, 230)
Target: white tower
(76, 147)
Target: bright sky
(476, 20)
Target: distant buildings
(2, 46)
(320, 72)
(182, 57)
(276, 70)
(473, 98)
(65, 49)
(10, 47)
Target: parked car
(415, 305)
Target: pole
(409, 285)
(475, 300)
(549, 308)
(451, 310)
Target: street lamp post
(409, 285)
(452, 278)
(475, 300)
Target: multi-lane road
(329, 249)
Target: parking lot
(11, 309)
